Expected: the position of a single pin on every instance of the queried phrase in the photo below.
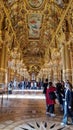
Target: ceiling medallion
(35, 3)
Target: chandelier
(16, 63)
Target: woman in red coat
(50, 99)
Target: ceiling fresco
(30, 26)
(34, 25)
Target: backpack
(52, 95)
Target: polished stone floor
(26, 111)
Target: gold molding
(62, 19)
(7, 14)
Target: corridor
(36, 43)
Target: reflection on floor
(18, 113)
(25, 94)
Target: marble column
(68, 64)
(63, 62)
(55, 73)
(11, 74)
(50, 75)
(3, 68)
(72, 65)
(6, 66)
(59, 73)
(71, 57)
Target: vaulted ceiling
(31, 26)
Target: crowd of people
(25, 84)
(62, 94)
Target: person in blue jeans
(67, 104)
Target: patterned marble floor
(33, 124)
(28, 114)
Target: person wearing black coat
(45, 85)
(67, 104)
(60, 93)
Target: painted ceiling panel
(34, 25)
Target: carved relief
(55, 54)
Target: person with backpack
(50, 99)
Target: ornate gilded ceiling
(32, 26)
